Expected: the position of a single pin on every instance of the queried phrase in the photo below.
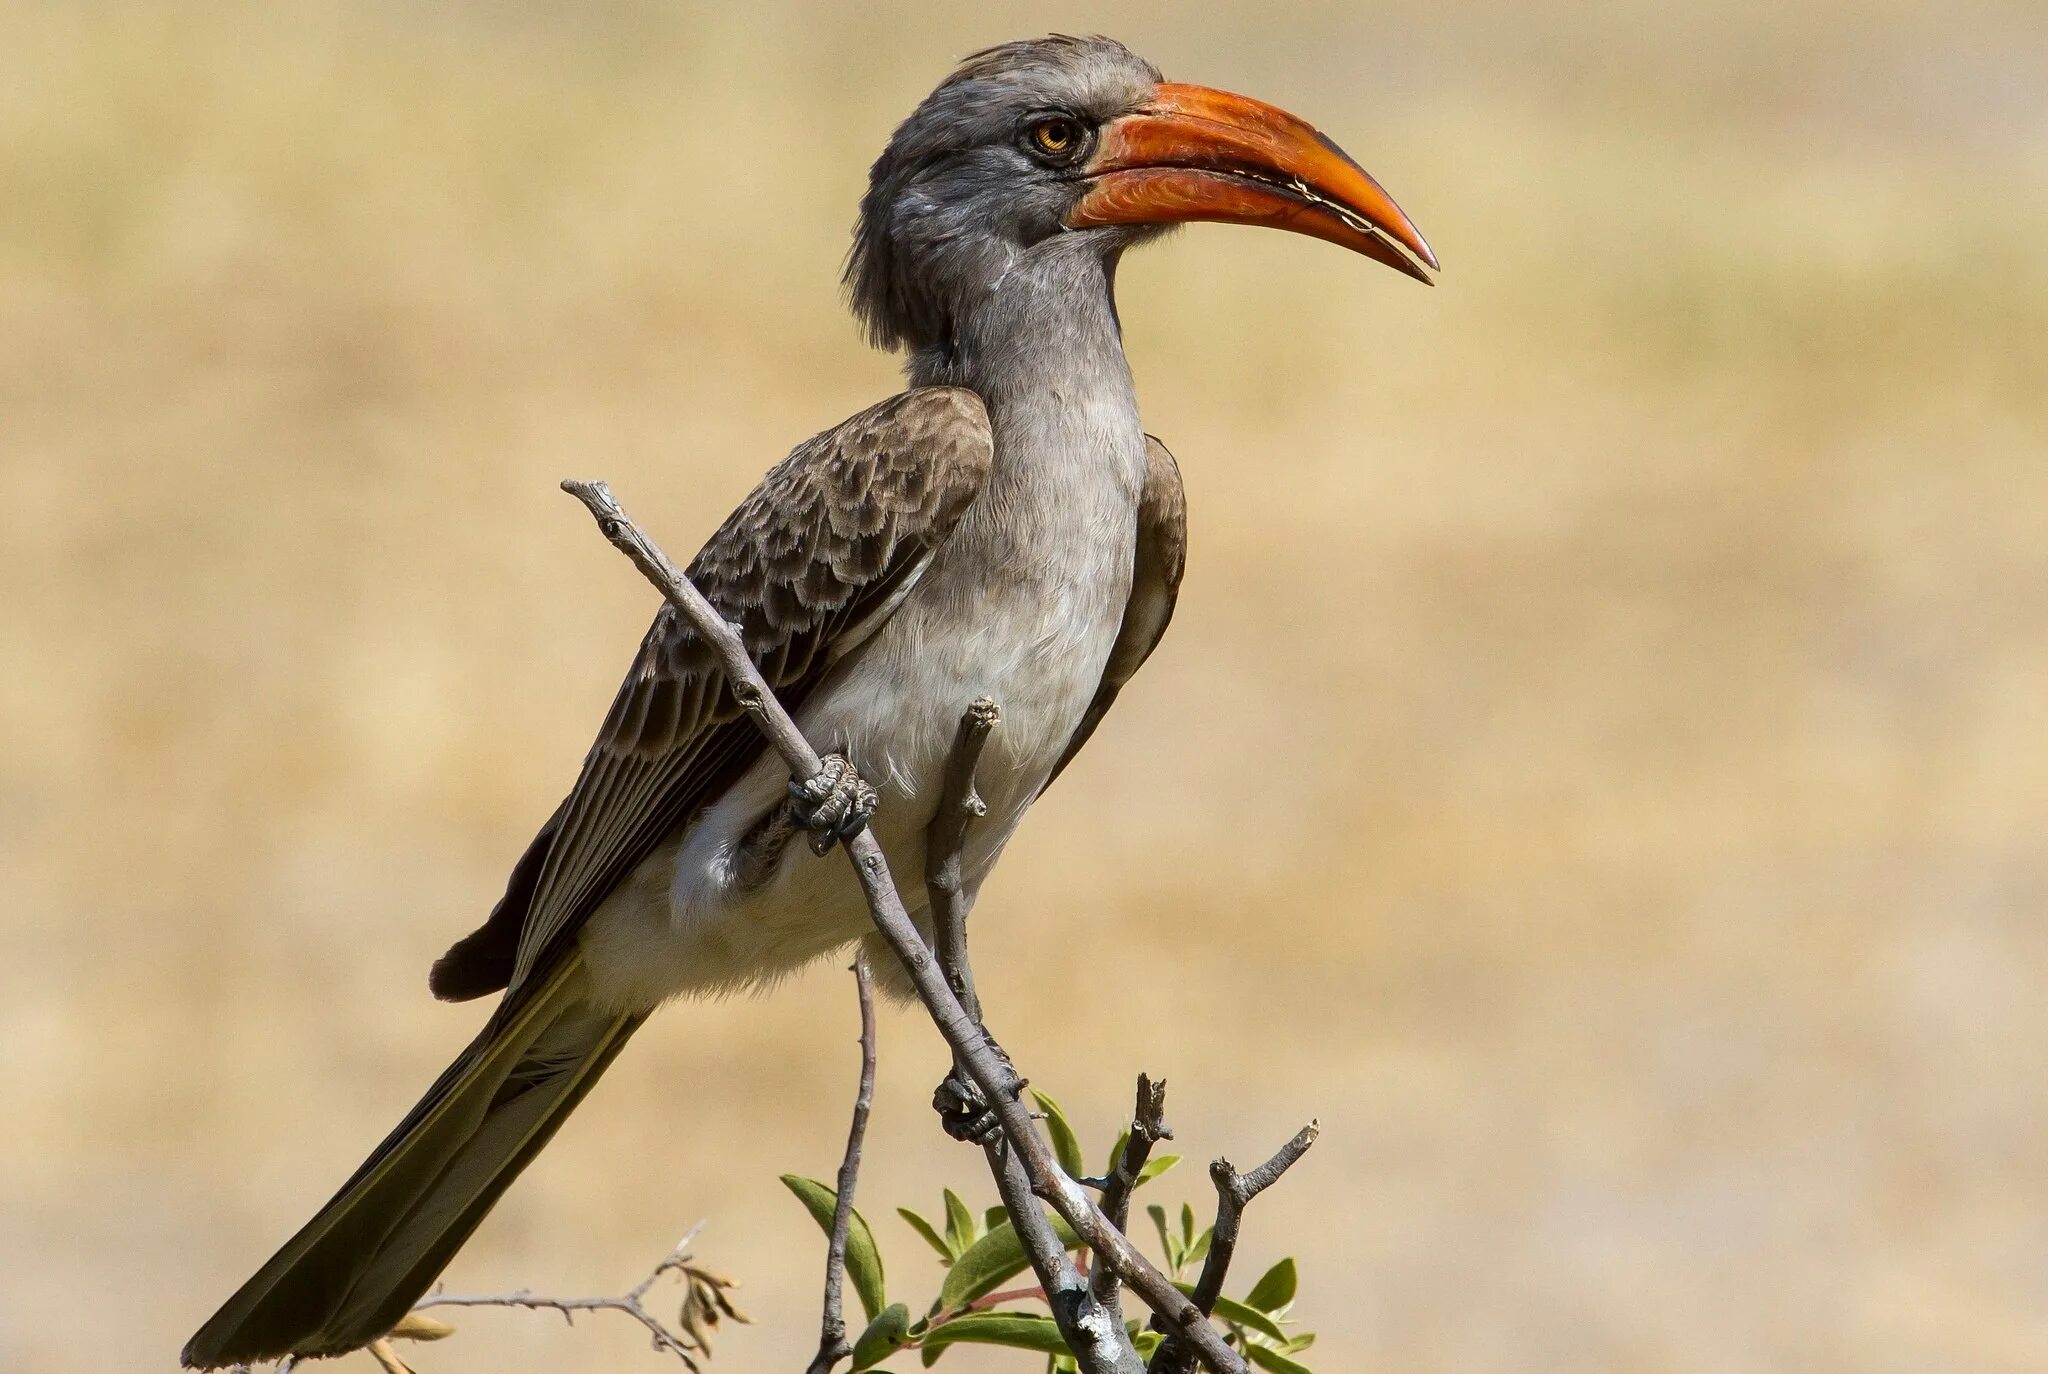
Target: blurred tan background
(1599, 767)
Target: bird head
(1060, 148)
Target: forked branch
(705, 1302)
(1233, 1192)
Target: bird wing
(811, 562)
(1162, 555)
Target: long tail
(352, 1272)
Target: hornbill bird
(1003, 528)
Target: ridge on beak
(1196, 154)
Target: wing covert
(849, 519)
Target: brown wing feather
(1162, 555)
(832, 532)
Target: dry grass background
(1638, 863)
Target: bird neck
(1041, 344)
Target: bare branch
(959, 806)
(1233, 1192)
(1148, 1128)
(973, 1049)
(832, 1343)
(704, 1301)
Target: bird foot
(833, 805)
(963, 1108)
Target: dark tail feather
(354, 1270)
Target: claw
(964, 1110)
(833, 805)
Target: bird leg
(963, 1108)
(833, 804)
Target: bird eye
(1056, 137)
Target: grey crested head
(977, 184)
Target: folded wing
(807, 566)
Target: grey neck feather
(1047, 311)
(1042, 347)
(1041, 344)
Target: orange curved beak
(1192, 153)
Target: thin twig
(832, 1343)
(1233, 1192)
(1148, 1128)
(988, 1300)
(945, 839)
(973, 1049)
(681, 1344)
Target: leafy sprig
(980, 1252)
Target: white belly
(683, 924)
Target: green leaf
(1237, 1314)
(1201, 1245)
(1156, 1166)
(1020, 1330)
(1275, 1288)
(1166, 1243)
(931, 1236)
(985, 1265)
(960, 1229)
(1187, 1224)
(884, 1337)
(863, 1257)
(1267, 1358)
(1065, 1143)
(1116, 1151)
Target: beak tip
(1410, 238)
(1421, 258)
